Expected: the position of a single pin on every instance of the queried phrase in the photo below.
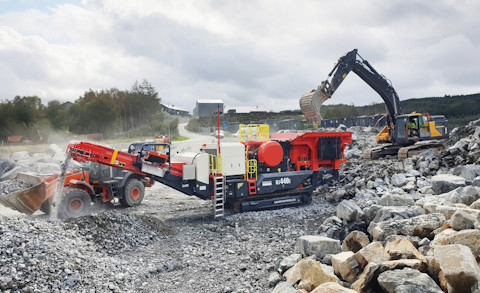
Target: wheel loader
(93, 183)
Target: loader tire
(133, 193)
(75, 203)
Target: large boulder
(466, 195)
(469, 238)
(469, 172)
(444, 183)
(448, 211)
(355, 241)
(407, 280)
(403, 249)
(317, 245)
(309, 274)
(373, 252)
(456, 268)
(462, 220)
(349, 211)
(392, 213)
(421, 226)
(367, 281)
(345, 265)
(395, 199)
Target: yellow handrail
(254, 132)
(216, 164)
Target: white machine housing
(233, 155)
(196, 165)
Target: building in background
(207, 107)
(172, 110)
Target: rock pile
(12, 185)
(47, 256)
(400, 226)
(44, 162)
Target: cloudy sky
(253, 52)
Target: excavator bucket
(29, 200)
(311, 103)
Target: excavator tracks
(401, 152)
(417, 149)
(380, 152)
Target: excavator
(403, 135)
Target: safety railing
(254, 132)
(216, 164)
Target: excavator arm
(310, 103)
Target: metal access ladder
(219, 196)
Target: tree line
(108, 111)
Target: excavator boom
(310, 103)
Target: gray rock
(421, 226)
(476, 181)
(470, 171)
(5, 166)
(20, 156)
(446, 183)
(349, 211)
(274, 278)
(371, 211)
(398, 179)
(378, 183)
(11, 174)
(317, 245)
(466, 195)
(394, 199)
(353, 153)
(407, 280)
(289, 262)
(397, 212)
(409, 187)
(413, 173)
(461, 220)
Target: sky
(265, 53)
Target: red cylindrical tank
(270, 153)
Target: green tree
(57, 114)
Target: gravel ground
(170, 243)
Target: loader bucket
(29, 200)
